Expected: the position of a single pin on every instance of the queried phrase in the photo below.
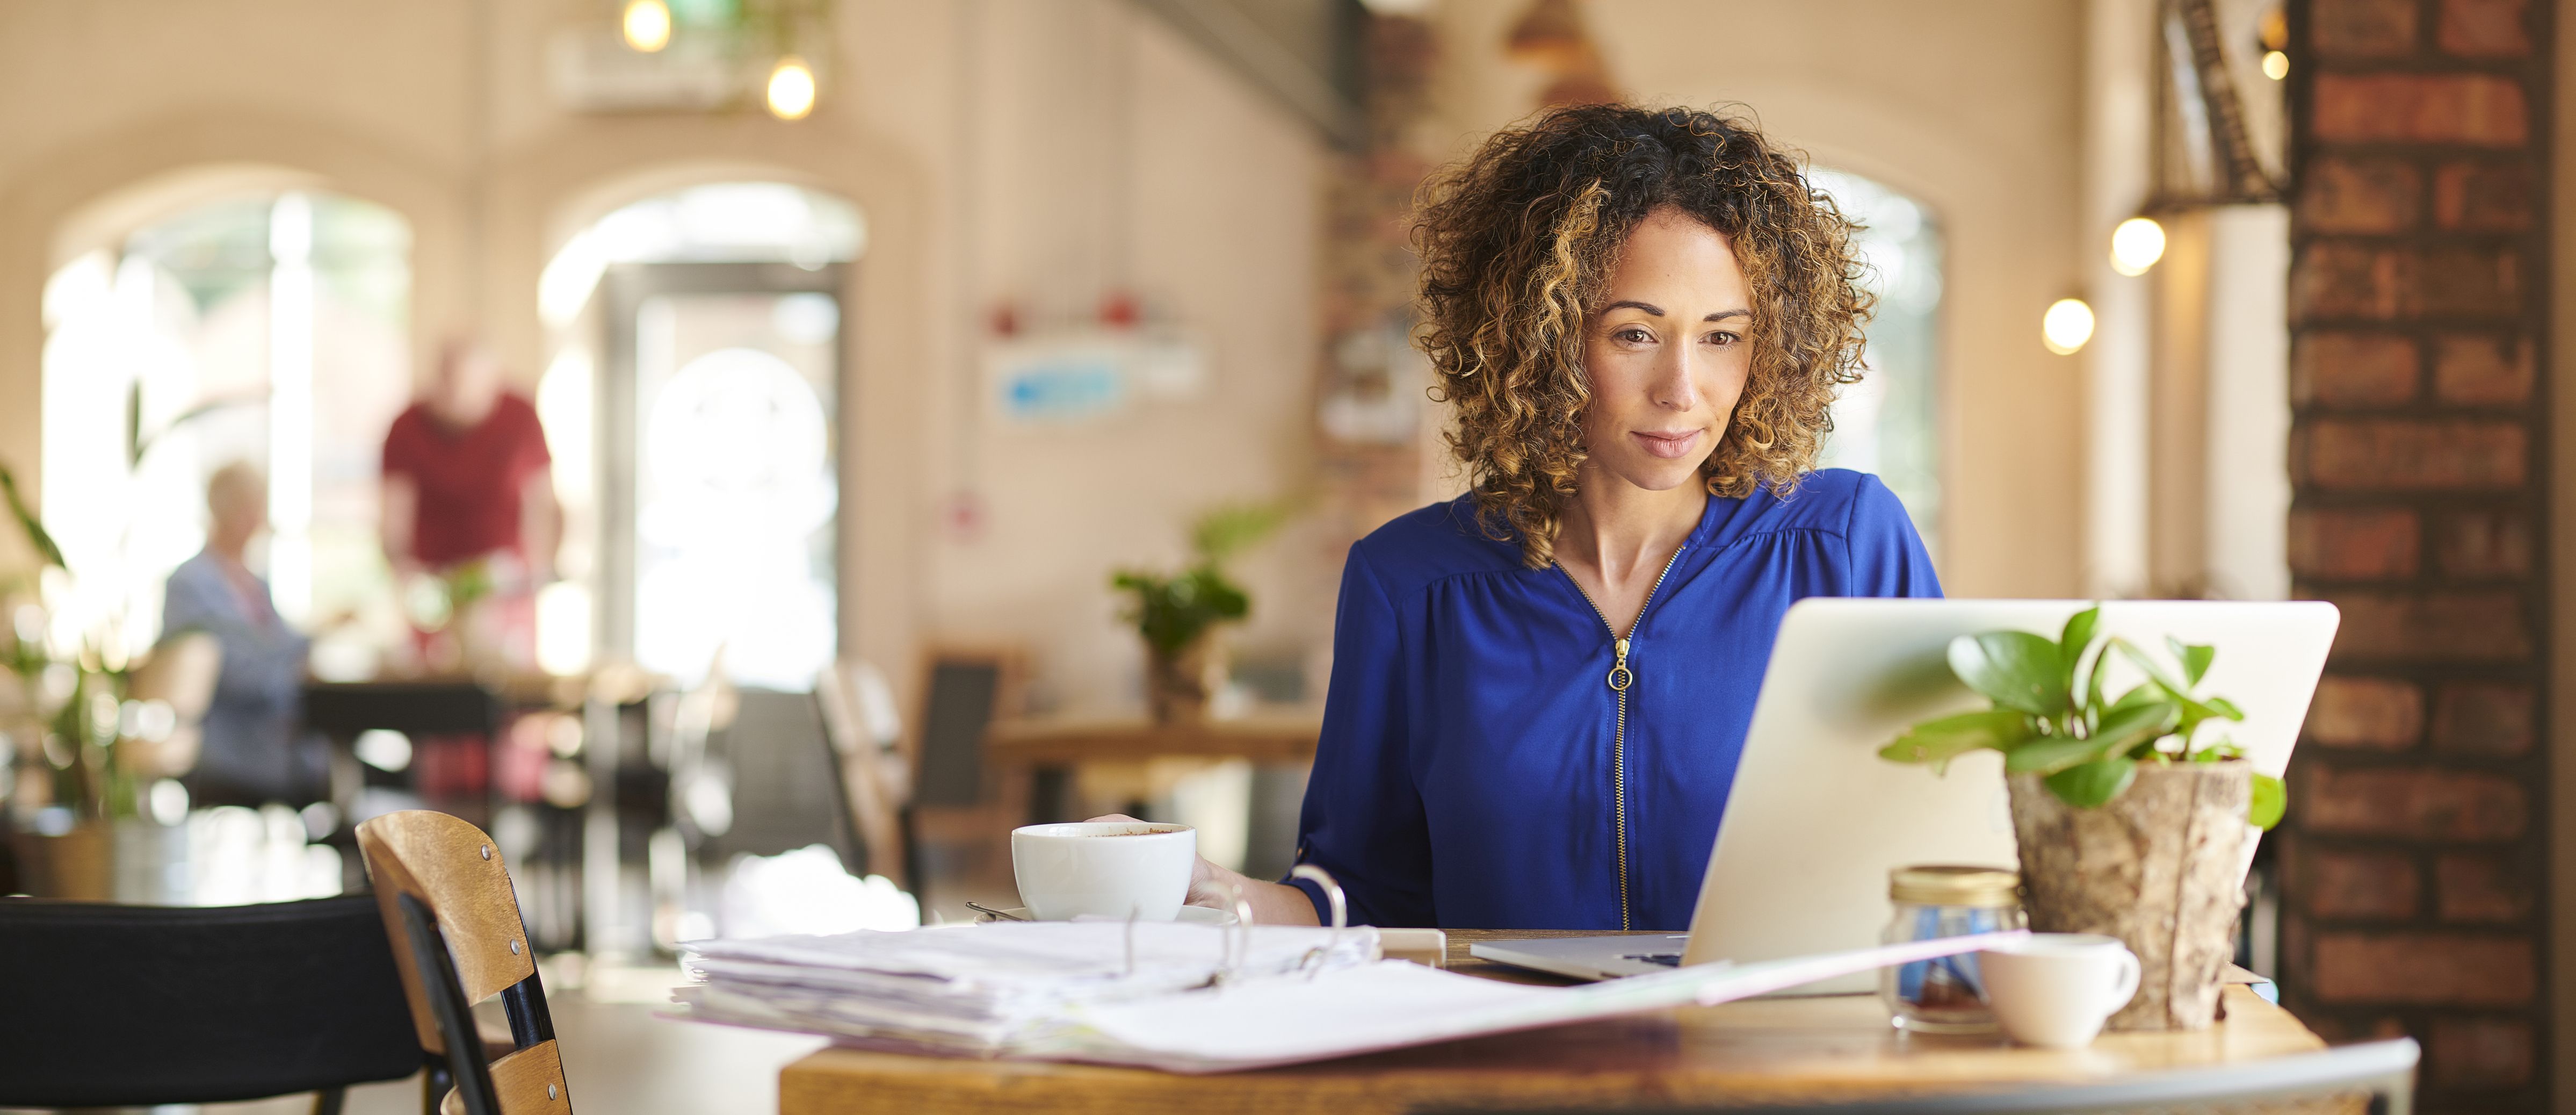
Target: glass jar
(1946, 995)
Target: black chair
(131, 1006)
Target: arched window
(1889, 422)
(269, 327)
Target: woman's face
(1666, 353)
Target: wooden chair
(865, 735)
(444, 896)
(181, 672)
(133, 1006)
(956, 799)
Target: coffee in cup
(1109, 869)
(2055, 990)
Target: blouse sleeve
(1887, 557)
(1363, 819)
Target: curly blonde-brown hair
(1518, 244)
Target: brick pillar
(2414, 853)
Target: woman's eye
(1726, 340)
(1634, 335)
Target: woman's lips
(1667, 446)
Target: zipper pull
(1620, 676)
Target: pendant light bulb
(2067, 325)
(2136, 245)
(791, 89)
(648, 25)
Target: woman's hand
(1216, 887)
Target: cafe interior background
(870, 338)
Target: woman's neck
(1618, 528)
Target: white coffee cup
(1108, 869)
(2056, 989)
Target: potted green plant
(1175, 613)
(2128, 825)
(65, 713)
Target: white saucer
(1190, 915)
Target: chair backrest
(445, 903)
(965, 692)
(780, 759)
(129, 1006)
(853, 729)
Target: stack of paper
(989, 989)
(1064, 991)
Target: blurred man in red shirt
(466, 478)
(469, 499)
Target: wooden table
(1764, 1051)
(1054, 741)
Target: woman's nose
(1674, 387)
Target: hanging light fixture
(647, 24)
(2136, 245)
(2066, 326)
(791, 89)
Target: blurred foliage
(1174, 611)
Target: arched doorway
(269, 326)
(697, 363)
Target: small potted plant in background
(1176, 613)
(2128, 825)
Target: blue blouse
(1474, 766)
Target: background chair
(181, 672)
(129, 1006)
(445, 902)
(865, 734)
(958, 821)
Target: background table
(1767, 1051)
(1055, 741)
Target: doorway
(721, 499)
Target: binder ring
(1333, 897)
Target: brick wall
(2414, 859)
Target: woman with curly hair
(1540, 690)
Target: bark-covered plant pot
(1176, 688)
(2156, 867)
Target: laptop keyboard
(1667, 959)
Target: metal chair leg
(435, 1083)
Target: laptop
(1817, 819)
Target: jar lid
(1953, 885)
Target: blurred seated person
(469, 498)
(253, 747)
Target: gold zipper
(1619, 679)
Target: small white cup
(2056, 989)
(1108, 869)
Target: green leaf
(2128, 727)
(2155, 673)
(2051, 755)
(2271, 799)
(28, 522)
(2089, 785)
(2195, 660)
(2223, 707)
(2077, 636)
(1939, 741)
(2015, 669)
